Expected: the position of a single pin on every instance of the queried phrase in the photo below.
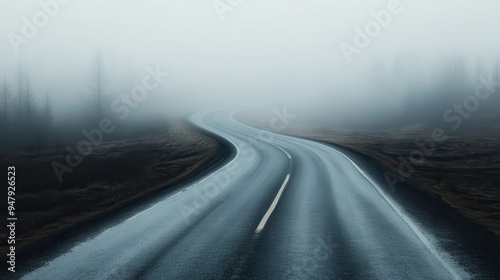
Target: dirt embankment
(114, 174)
(464, 170)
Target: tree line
(27, 116)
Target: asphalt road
(282, 208)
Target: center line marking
(263, 222)
(287, 154)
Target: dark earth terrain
(464, 169)
(114, 174)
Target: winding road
(281, 208)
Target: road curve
(282, 208)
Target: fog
(240, 53)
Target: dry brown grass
(464, 170)
(115, 174)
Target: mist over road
(282, 208)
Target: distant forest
(27, 121)
(458, 95)
(455, 93)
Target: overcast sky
(285, 51)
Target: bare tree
(96, 82)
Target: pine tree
(96, 83)
(48, 115)
(30, 103)
(4, 102)
(498, 70)
(19, 78)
